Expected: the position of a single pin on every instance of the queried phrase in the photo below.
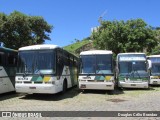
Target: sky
(73, 19)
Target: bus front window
(25, 62)
(125, 67)
(96, 64)
(88, 64)
(44, 62)
(35, 62)
(133, 68)
(104, 64)
(155, 70)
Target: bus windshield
(133, 68)
(155, 70)
(36, 62)
(96, 64)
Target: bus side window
(11, 59)
(71, 60)
(1, 58)
(74, 62)
(59, 59)
(60, 63)
(66, 58)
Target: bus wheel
(64, 86)
(120, 88)
(81, 90)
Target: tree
(18, 29)
(156, 50)
(129, 36)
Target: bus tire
(120, 88)
(81, 90)
(64, 86)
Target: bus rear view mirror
(149, 64)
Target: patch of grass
(73, 47)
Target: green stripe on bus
(37, 78)
(99, 78)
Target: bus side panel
(66, 68)
(73, 72)
(5, 83)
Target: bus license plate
(154, 82)
(32, 87)
(133, 84)
(83, 86)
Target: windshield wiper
(25, 70)
(100, 71)
(35, 68)
(137, 74)
(37, 71)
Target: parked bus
(96, 70)
(155, 69)
(8, 63)
(45, 69)
(132, 70)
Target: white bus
(155, 69)
(8, 64)
(45, 69)
(132, 70)
(96, 70)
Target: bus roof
(39, 47)
(131, 56)
(153, 56)
(7, 49)
(96, 52)
(130, 53)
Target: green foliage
(156, 50)
(18, 29)
(129, 36)
(73, 47)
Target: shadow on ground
(116, 91)
(154, 86)
(70, 93)
(9, 95)
(137, 89)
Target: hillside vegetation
(76, 46)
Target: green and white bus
(8, 64)
(45, 69)
(96, 70)
(132, 70)
(155, 69)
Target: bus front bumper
(96, 85)
(30, 89)
(154, 82)
(133, 84)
